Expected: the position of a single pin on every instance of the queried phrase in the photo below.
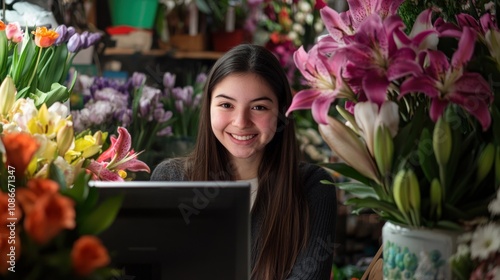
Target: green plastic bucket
(136, 13)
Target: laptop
(179, 230)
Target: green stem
(36, 66)
(442, 177)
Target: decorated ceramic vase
(419, 254)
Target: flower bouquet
(47, 228)
(39, 64)
(49, 215)
(417, 115)
(110, 103)
(184, 102)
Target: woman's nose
(242, 119)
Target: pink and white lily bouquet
(417, 110)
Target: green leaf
(80, 189)
(347, 171)
(495, 113)
(102, 217)
(449, 225)
(203, 6)
(58, 93)
(426, 156)
(375, 204)
(3, 55)
(358, 189)
(57, 175)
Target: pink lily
(481, 26)
(117, 158)
(322, 75)
(445, 83)
(346, 23)
(423, 35)
(374, 59)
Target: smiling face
(244, 115)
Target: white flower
(463, 250)
(485, 241)
(305, 7)
(494, 205)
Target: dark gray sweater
(315, 261)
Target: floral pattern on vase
(417, 254)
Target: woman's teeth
(243, 138)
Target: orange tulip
(50, 214)
(44, 37)
(2, 25)
(19, 149)
(88, 254)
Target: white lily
(346, 144)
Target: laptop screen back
(179, 230)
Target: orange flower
(19, 149)
(2, 25)
(36, 187)
(88, 254)
(50, 214)
(44, 37)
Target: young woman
(244, 135)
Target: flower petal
(437, 108)
(346, 144)
(465, 48)
(100, 171)
(422, 84)
(365, 114)
(303, 100)
(375, 85)
(133, 165)
(320, 108)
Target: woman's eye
(225, 105)
(259, 108)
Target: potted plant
(416, 123)
(227, 20)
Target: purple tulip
(201, 78)
(74, 43)
(168, 80)
(92, 39)
(62, 30)
(138, 79)
(179, 106)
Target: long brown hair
(285, 225)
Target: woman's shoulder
(314, 177)
(171, 169)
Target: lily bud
(347, 145)
(384, 149)
(485, 162)
(348, 117)
(7, 95)
(400, 188)
(414, 191)
(436, 198)
(64, 138)
(442, 141)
